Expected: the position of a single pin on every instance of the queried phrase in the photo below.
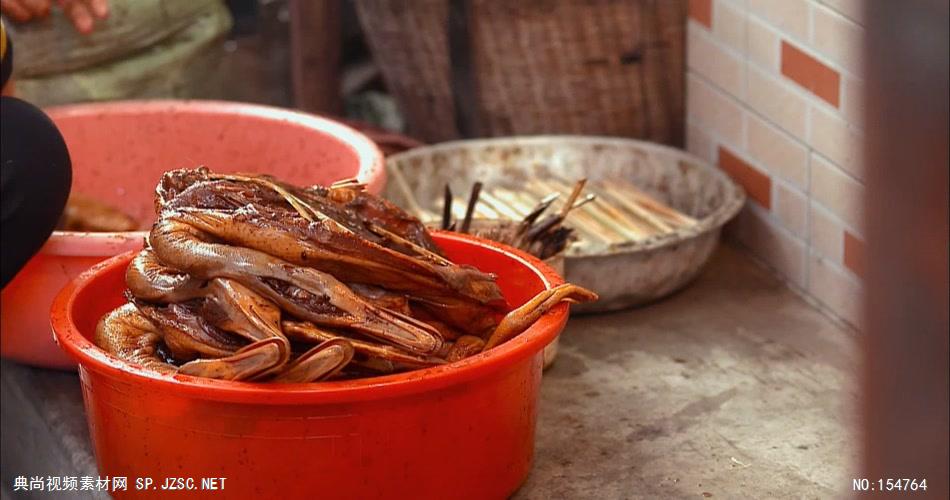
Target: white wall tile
(852, 9)
(838, 39)
(773, 98)
(699, 143)
(812, 151)
(779, 152)
(712, 61)
(852, 101)
(838, 141)
(837, 289)
(729, 24)
(764, 45)
(826, 234)
(791, 209)
(713, 110)
(838, 192)
(789, 16)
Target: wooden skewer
(500, 206)
(585, 200)
(658, 207)
(638, 225)
(532, 216)
(594, 225)
(416, 248)
(610, 231)
(303, 208)
(447, 207)
(648, 208)
(573, 197)
(538, 190)
(548, 222)
(472, 200)
(589, 229)
(512, 200)
(618, 198)
(345, 182)
(543, 186)
(483, 211)
(617, 222)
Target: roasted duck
(248, 278)
(83, 213)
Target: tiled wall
(774, 98)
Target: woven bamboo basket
(594, 67)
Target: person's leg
(35, 178)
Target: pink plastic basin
(119, 151)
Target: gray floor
(734, 388)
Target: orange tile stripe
(810, 73)
(854, 254)
(701, 11)
(756, 184)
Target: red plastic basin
(119, 151)
(464, 430)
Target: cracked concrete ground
(733, 388)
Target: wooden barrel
(594, 67)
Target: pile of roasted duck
(249, 278)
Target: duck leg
(186, 333)
(235, 308)
(127, 334)
(225, 304)
(521, 318)
(150, 280)
(254, 361)
(463, 347)
(319, 363)
(304, 331)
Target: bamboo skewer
(641, 205)
(428, 254)
(501, 207)
(614, 213)
(632, 206)
(513, 200)
(537, 211)
(472, 200)
(573, 197)
(591, 230)
(447, 207)
(660, 208)
(351, 182)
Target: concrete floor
(733, 388)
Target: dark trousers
(35, 177)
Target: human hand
(81, 13)
(22, 11)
